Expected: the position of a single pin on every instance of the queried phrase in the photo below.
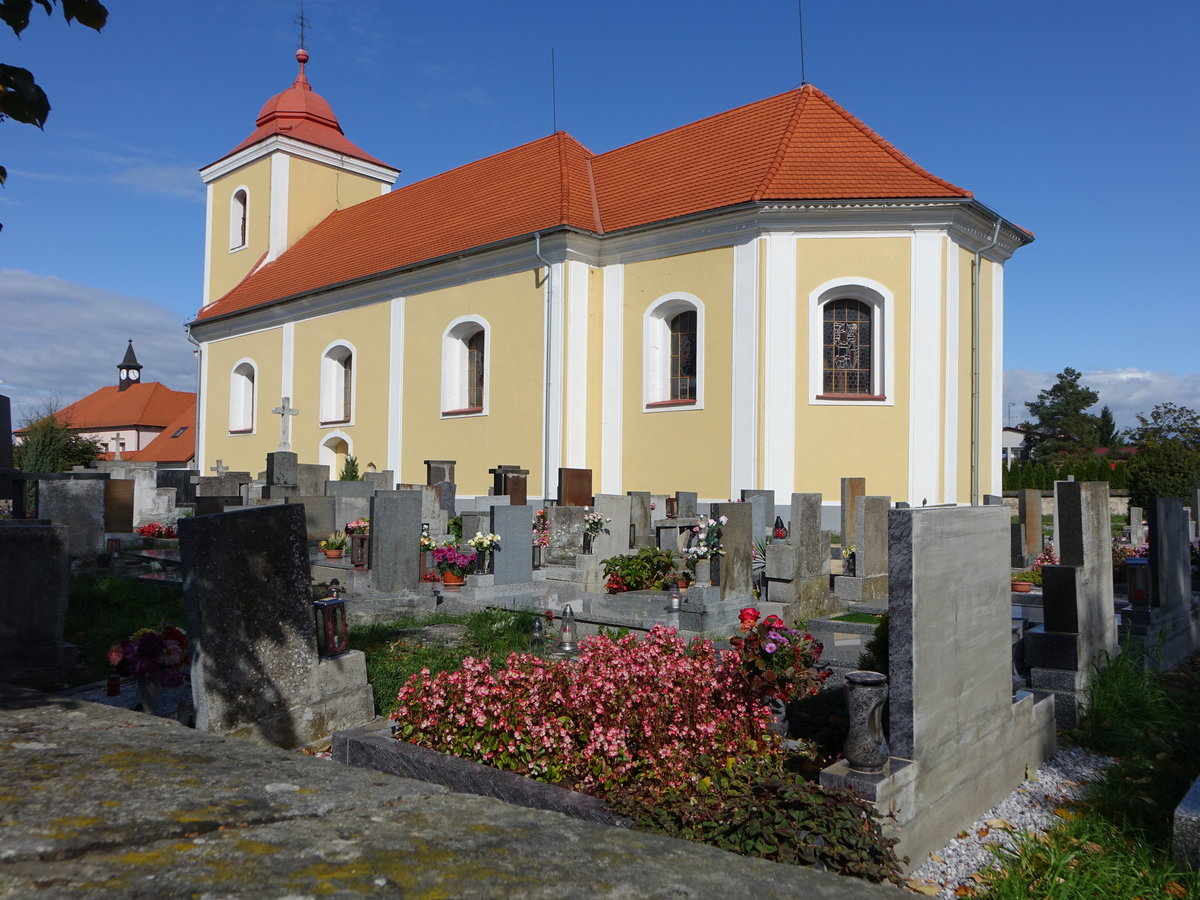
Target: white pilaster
(552, 423)
(953, 374)
(208, 215)
(994, 422)
(612, 375)
(287, 367)
(778, 433)
(577, 371)
(205, 398)
(395, 385)
(925, 367)
(280, 172)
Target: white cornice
(280, 144)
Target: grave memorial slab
(737, 538)
(513, 562)
(381, 481)
(960, 741)
(799, 569)
(252, 632)
(640, 519)
(566, 534)
(869, 582)
(395, 540)
(36, 580)
(763, 504)
(614, 539)
(445, 491)
(685, 504)
(319, 516)
(118, 505)
(574, 487)
(852, 489)
(437, 470)
(76, 501)
(283, 475)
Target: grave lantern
(537, 640)
(331, 626)
(112, 546)
(360, 550)
(567, 641)
(779, 532)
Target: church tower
(293, 170)
(129, 370)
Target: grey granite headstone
(801, 566)
(319, 512)
(311, 478)
(283, 477)
(513, 562)
(252, 632)
(737, 539)
(872, 536)
(381, 481)
(1029, 512)
(395, 540)
(566, 534)
(484, 502)
(474, 521)
(1085, 532)
(1137, 526)
(763, 503)
(614, 540)
(445, 494)
(337, 488)
(1170, 556)
(35, 578)
(685, 504)
(640, 518)
(77, 503)
(993, 500)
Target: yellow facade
(315, 190)
(241, 452)
(227, 267)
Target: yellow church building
(772, 297)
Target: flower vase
(703, 571)
(779, 716)
(149, 692)
(588, 541)
(537, 557)
(450, 579)
(848, 565)
(482, 559)
(360, 550)
(714, 571)
(333, 554)
(866, 747)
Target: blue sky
(1075, 118)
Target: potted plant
(1023, 582)
(781, 663)
(483, 545)
(593, 524)
(452, 563)
(335, 545)
(154, 658)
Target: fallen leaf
(964, 890)
(999, 823)
(982, 832)
(936, 858)
(928, 888)
(1064, 814)
(1175, 889)
(1093, 847)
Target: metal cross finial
(220, 468)
(284, 410)
(302, 22)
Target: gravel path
(1029, 808)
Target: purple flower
(770, 647)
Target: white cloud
(1127, 392)
(62, 340)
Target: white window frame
(326, 455)
(454, 366)
(243, 395)
(656, 352)
(239, 212)
(333, 383)
(883, 338)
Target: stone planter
(1022, 587)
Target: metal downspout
(198, 352)
(537, 251)
(975, 363)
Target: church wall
(227, 268)
(510, 432)
(688, 448)
(854, 439)
(247, 452)
(315, 190)
(595, 418)
(963, 443)
(365, 330)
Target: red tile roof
(799, 145)
(149, 405)
(171, 446)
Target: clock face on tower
(124, 374)
(134, 374)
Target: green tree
(1110, 435)
(49, 445)
(1165, 468)
(1167, 422)
(350, 470)
(21, 97)
(1062, 426)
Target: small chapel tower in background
(129, 370)
(294, 169)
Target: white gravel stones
(1029, 808)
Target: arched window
(241, 398)
(465, 368)
(673, 370)
(851, 337)
(846, 345)
(333, 452)
(239, 214)
(337, 384)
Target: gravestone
(799, 569)
(473, 522)
(959, 740)
(395, 541)
(1137, 526)
(432, 513)
(78, 503)
(179, 480)
(311, 478)
(574, 487)
(252, 633)
(566, 534)
(223, 484)
(35, 579)
(283, 476)
(437, 470)
(685, 504)
(763, 504)
(1170, 556)
(614, 539)
(737, 539)
(869, 583)
(510, 481)
(1028, 543)
(118, 505)
(485, 502)
(513, 562)
(381, 481)
(1085, 532)
(208, 506)
(445, 491)
(640, 519)
(8, 486)
(319, 516)
(352, 500)
(852, 489)
(1060, 650)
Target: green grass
(857, 618)
(392, 658)
(1117, 842)
(104, 609)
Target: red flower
(772, 621)
(748, 617)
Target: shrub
(648, 569)
(638, 712)
(350, 470)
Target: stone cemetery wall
(251, 627)
(35, 579)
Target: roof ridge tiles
(784, 143)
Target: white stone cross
(284, 410)
(117, 441)
(220, 468)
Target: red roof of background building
(799, 145)
(303, 114)
(171, 445)
(149, 405)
